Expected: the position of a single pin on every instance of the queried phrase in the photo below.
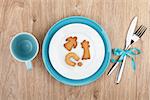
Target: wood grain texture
(37, 16)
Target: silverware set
(132, 37)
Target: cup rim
(21, 33)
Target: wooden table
(37, 16)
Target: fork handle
(121, 71)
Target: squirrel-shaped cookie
(71, 43)
(86, 53)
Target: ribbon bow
(130, 53)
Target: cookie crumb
(80, 64)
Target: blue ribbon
(122, 53)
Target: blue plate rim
(52, 31)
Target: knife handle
(113, 68)
(116, 63)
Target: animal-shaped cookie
(68, 58)
(71, 43)
(86, 54)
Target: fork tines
(140, 31)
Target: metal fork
(137, 35)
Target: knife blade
(131, 31)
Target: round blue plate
(54, 29)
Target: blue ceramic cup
(24, 47)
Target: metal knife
(127, 46)
(128, 40)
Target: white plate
(57, 51)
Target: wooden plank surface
(37, 16)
